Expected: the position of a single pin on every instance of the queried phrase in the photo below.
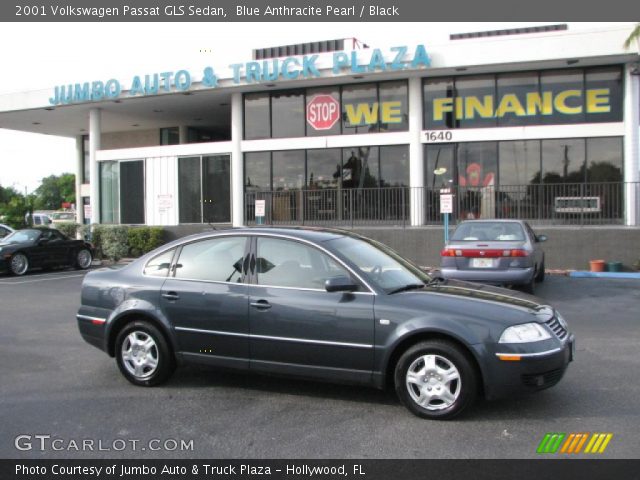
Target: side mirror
(541, 238)
(340, 284)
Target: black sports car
(322, 304)
(42, 248)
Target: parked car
(321, 304)
(42, 248)
(62, 217)
(5, 230)
(502, 252)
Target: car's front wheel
(143, 355)
(83, 259)
(435, 379)
(19, 264)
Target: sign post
(446, 207)
(260, 210)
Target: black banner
(321, 469)
(310, 11)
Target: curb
(635, 275)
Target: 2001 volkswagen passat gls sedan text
(322, 304)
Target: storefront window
(132, 192)
(323, 168)
(566, 88)
(216, 189)
(604, 94)
(474, 105)
(438, 95)
(394, 166)
(563, 161)
(545, 97)
(604, 159)
(519, 162)
(287, 114)
(109, 192)
(394, 110)
(189, 190)
(360, 108)
(257, 171)
(517, 94)
(440, 166)
(170, 136)
(257, 116)
(333, 92)
(288, 170)
(360, 167)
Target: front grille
(543, 380)
(556, 328)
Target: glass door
(216, 189)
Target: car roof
(494, 220)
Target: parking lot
(53, 383)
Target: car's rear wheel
(19, 264)
(436, 380)
(83, 259)
(143, 355)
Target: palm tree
(633, 36)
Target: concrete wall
(567, 247)
(132, 139)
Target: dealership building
(539, 123)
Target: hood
(496, 296)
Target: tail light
(476, 253)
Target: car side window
(215, 259)
(159, 265)
(56, 236)
(286, 263)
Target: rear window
(489, 232)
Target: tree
(634, 36)
(54, 190)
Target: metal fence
(551, 204)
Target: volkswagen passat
(321, 304)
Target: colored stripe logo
(574, 443)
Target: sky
(43, 55)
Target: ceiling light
(36, 123)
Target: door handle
(173, 296)
(261, 305)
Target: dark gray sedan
(322, 304)
(503, 252)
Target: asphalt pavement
(54, 386)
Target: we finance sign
(272, 70)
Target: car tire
(143, 354)
(83, 259)
(19, 263)
(419, 374)
(530, 286)
(541, 274)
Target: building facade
(539, 124)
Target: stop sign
(323, 111)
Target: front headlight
(525, 333)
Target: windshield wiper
(409, 286)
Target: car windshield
(489, 232)
(379, 263)
(22, 236)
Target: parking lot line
(35, 280)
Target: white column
(94, 146)
(237, 164)
(631, 140)
(416, 152)
(79, 174)
(183, 134)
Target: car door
(297, 327)
(58, 249)
(205, 299)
